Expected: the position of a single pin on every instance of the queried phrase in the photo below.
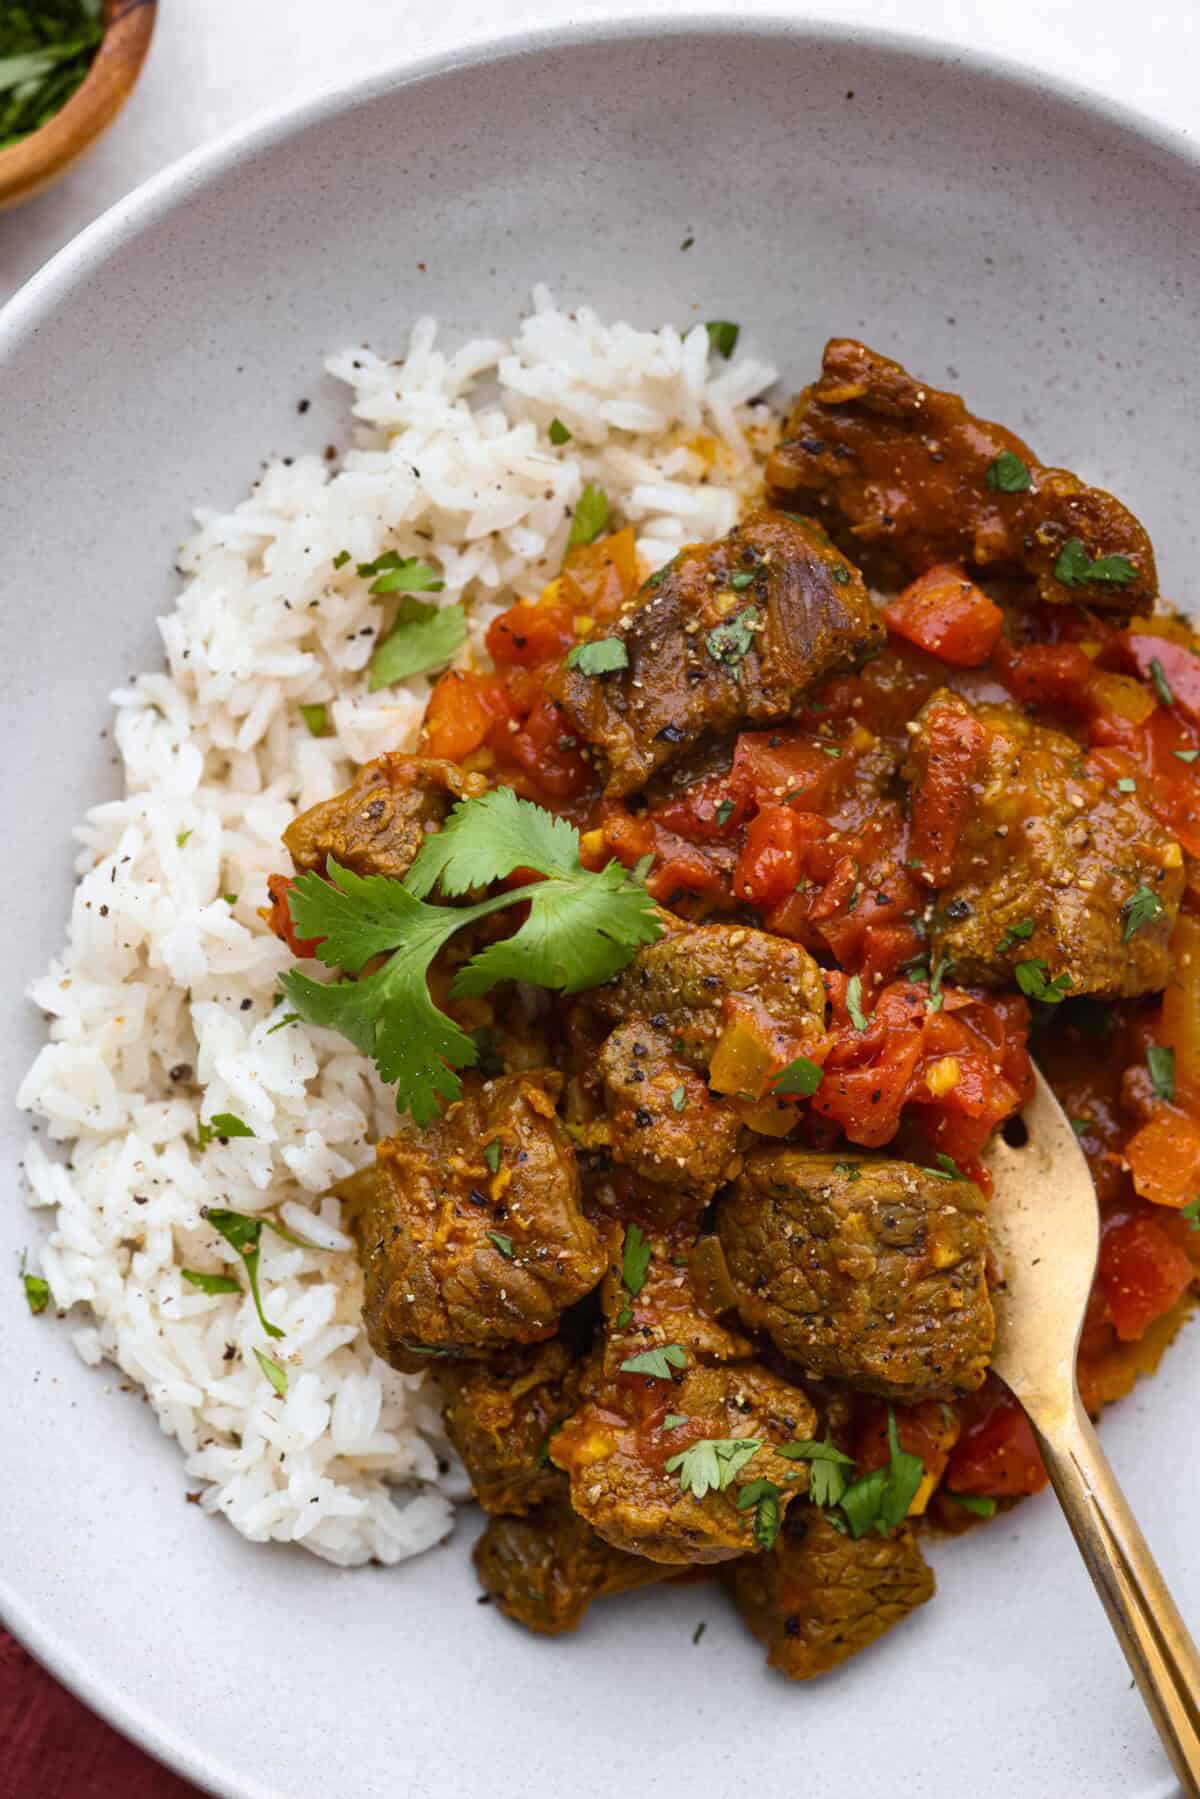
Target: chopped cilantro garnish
(947, 1168)
(1020, 932)
(800, 1076)
(423, 637)
(1162, 686)
(37, 1290)
(657, 1362)
(1192, 1213)
(1081, 1126)
(288, 1018)
(851, 1170)
(1143, 907)
(273, 1372)
(1161, 1063)
(842, 576)
(854, 1002)
(591, 516)
(341, 559)
(880, 1500)
(635, 1259)
(1007, 474)
(1031, 979)
(724, 812)
(503, 1244)
(397, 574)
(581, 929)
(316, 717)
(742, 579)
(1126, 784)
(1075, 565)
(212, 1283)
(558, 433)
(1186, 755)
(244, 1234)
(678, 1098)
(624, 1317)
(826, 1479)
(979, 1503)
(728, 643)
(219, 1127)
(491, 1154)
(723, 335)
(673, 1420)
(764, 1496)
(711, 1464)
(181, 838)
(603, 657)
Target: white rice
(168, 968)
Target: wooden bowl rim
(49, 151)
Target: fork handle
(1156, 1641)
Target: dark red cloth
(51, 1747)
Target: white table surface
(217, 63)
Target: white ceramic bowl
(999, 234)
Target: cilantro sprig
(582, 929)
(712, 1463)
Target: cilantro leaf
(826, 1481)
(1074, 565)
(1186, 755)
(1162, 686)
(274, 1373)
(317, 719)
(244, 1234)
(764, 1496)
(591, 516)
(1031, 979)
(979, 1503)
(723, 335)
(657, 1362)
(854, 1002)
(947, 1168)
(678, 1098)
(1020, 932)
(1008, 474)
(558, 433)
(725, 812)
(635, 1260)
(579, 933)
(423, 637)
(881, 1499)
(1161, 1063)
(800, 1076)
(1192, 1213)
(397, 574)
(487, 839)
(503, 1244)
(742, 579)
(603, 657)
(728, 643)
(341, 559)
(212, 1283)
(37, 1290)
(581, 929)
(491, 1154)
(1143, 907)
(711, 1464)
(673, 1420)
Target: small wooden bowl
(33, 163)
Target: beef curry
(699, 1255)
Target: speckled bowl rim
(147, 204)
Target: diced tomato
(773, 765)
(597, 578)
(885, 950)
(1164, 1158)
(463, 710)
(1046, 674)
(1179, 667)
(771, 859)
(549, 752)
(997, 1454)
(1141, 1274)
(530, 634)
(278, 916)
(956, 742)
(944, 612)
(683, 871)
(710, 810)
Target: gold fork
(1046, 1229)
